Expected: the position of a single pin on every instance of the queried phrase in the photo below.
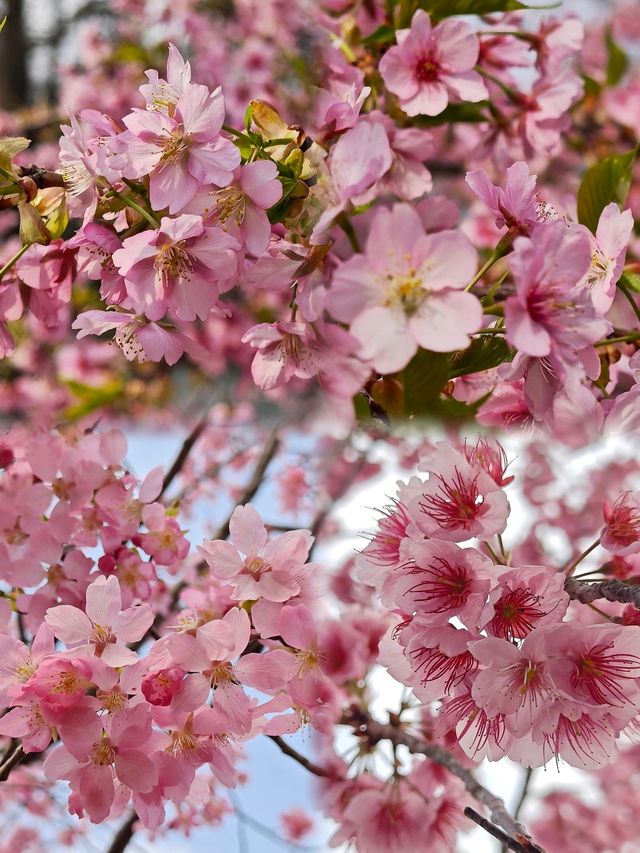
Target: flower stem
(498, 252)
(629, 297)
(14, 260)
(623, 339)
(572, 566)
(135, 206)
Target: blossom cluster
(332, 236)
(495, 642)
(87, 552)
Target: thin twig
(524, 791)
(508, 843)
(270, 449)
(301, 759)
(373, 731)
(183, 454)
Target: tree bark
(14, 78)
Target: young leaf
(383, 35)
(445, 8)
(424, 378)
(607, 181)
(631, 280)
(484, 353)
(617, 60)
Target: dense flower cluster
(194, 229)
(305, 231)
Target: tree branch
(301, 759)
(183, 454)
(611, 590)
(271, 447)
(374, 731)
(508, 843)
(124, 835)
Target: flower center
(102, 753)
(405, 291)
(126, 337)
(101, 636)
(176, 148)
(173, 261)
(428, 69)
(598, 268)
(256, 566)
(230, 203)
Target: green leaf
(445, 8)
(2, 23)
(382, 35)
(607, 181)
(465, 113)
(424, 378)
(631, 280)
(91, 398)
(617, 60)
(484, 353)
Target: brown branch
(373, 731)
(508, 843)
(11, 759)
(183, 454)
(301, 759)
(270, 449)
(611, 590)
(124, 835)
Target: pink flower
(299, 349)
(98, 750)
(404, 291)
(258, 568)
(515, 206)
(181, 151)
(160, 686)
(137, 337)
(241, 207)
(459, 500)
(525, 599)
(359, 159)
(387, 821)
(430, 64)
(446, 581)
(597, 665)
(608, 250)
(183, 267)
(163, 95)
(550, 313)
(621, 534)
(408, 178)
(97, 244)
(513, 681)
(440, 659)
(103, 628)
(296, 824)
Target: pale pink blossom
(256, 566)
(404, 292)
(180, 151)
(102, 628)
